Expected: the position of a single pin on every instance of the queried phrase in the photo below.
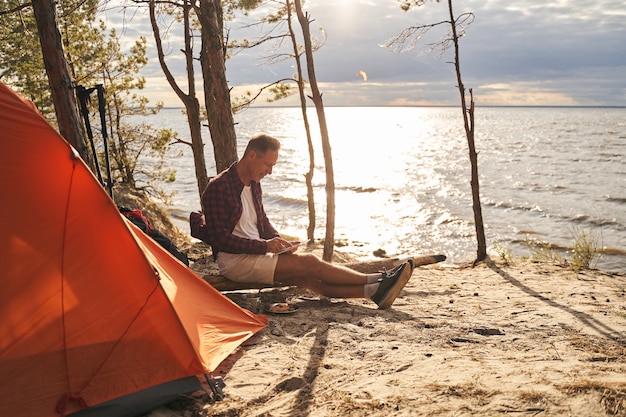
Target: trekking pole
(105, 135)
(83, 98)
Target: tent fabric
(140, 402)
(92, 309)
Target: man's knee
(309, 260)
(296, 265)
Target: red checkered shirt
(222, 207)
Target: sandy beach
(519, 339)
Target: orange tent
(92, 310)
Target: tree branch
(251, 100)
(15, 9)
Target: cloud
(522, 93)
(557, 52)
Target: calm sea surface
(402, 177)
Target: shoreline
(533, 250)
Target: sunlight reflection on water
(402, 176)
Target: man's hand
(277, 244)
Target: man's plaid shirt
(222, 207)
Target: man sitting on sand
(248, 248)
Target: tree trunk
(63, 95)
(216, 91)
(321, 116)
(309, 175)
(192, 105)
(481, 252)
(468, 119)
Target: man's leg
(330, 280)
(309, 271)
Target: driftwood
(369, 267)
(224, 284)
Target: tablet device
(292, 247)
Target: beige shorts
(243, 267)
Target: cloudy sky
(531, 52)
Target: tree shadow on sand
(584, 318)
(335, 311)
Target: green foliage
(280, 91)
(245, 6)
(586, 251)
(277, 90)
(242, 101)
(137, 150)
(505, 254)
(23, 71)
(542, 251)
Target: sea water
(402, 178)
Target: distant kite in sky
(362, 74)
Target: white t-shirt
(244, 267)
(247, 225)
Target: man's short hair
(261, 143)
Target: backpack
(142, 222)
(197, 223)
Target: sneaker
(395, 268)
(391, 284)
(411, 264)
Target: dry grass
(603, 350)
(612, 395)
(469, 390)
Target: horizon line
(608, 106)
